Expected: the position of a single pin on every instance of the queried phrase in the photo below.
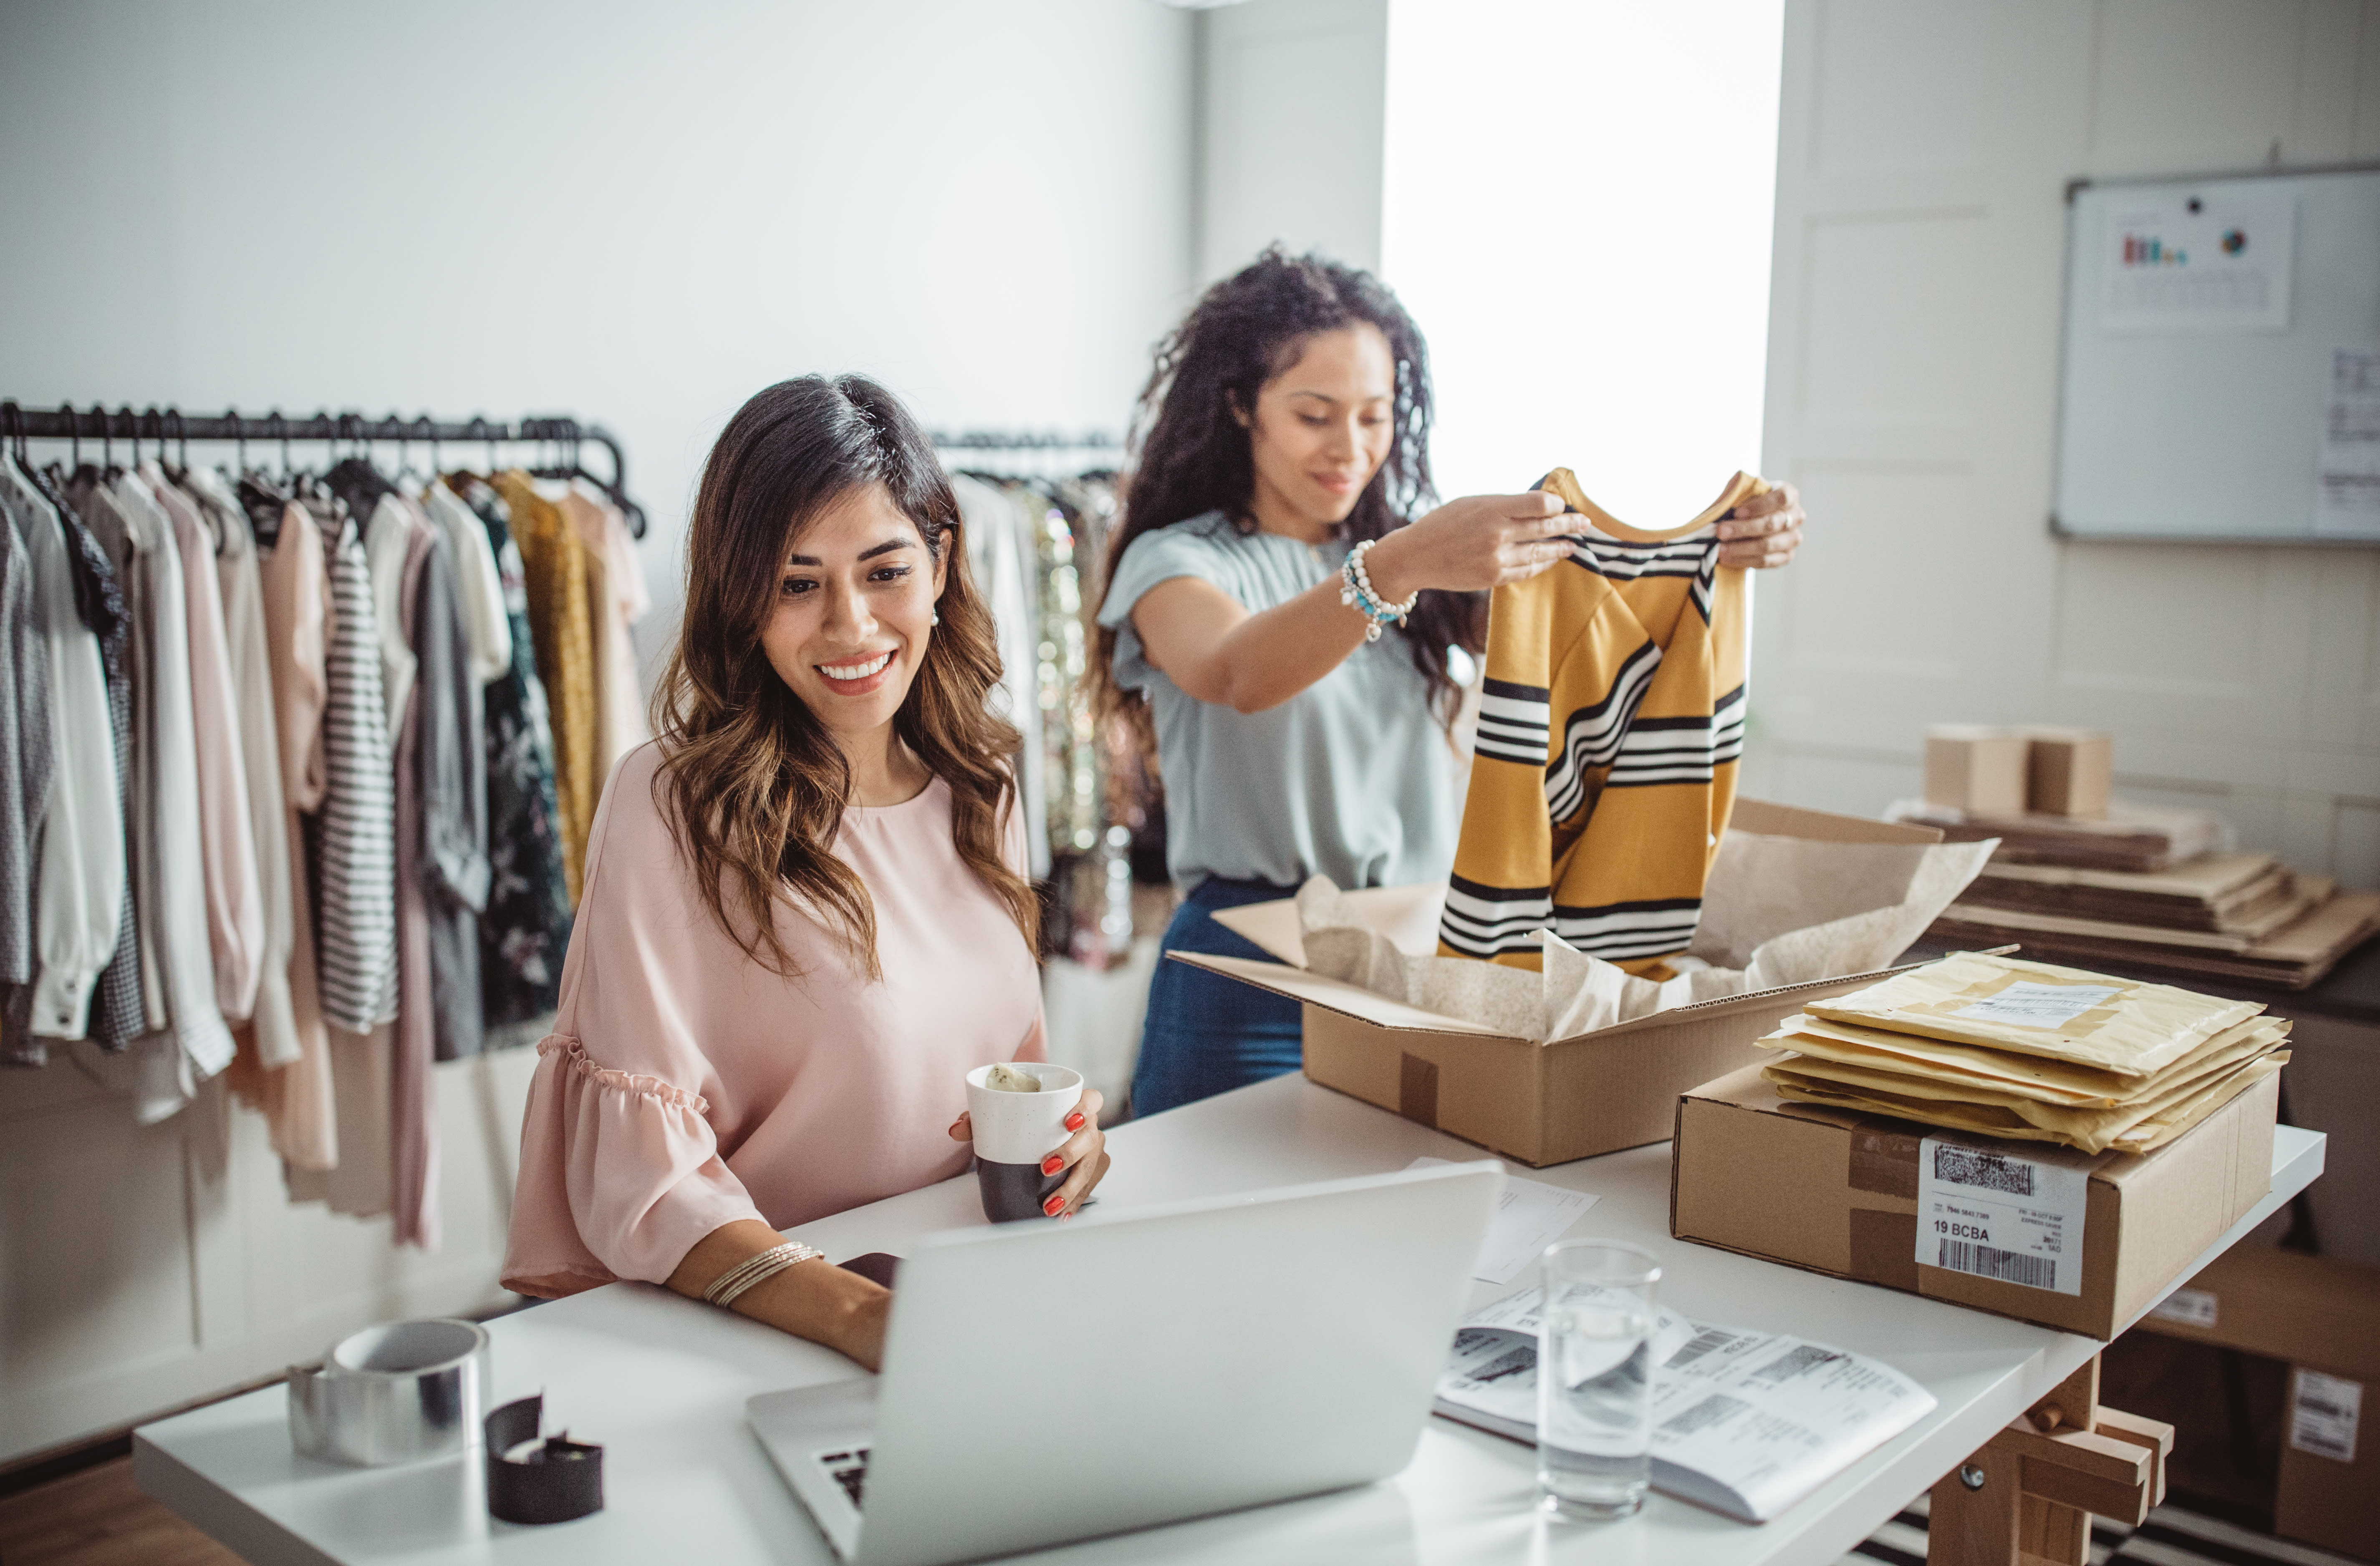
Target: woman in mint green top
(1353, 778)
(1281, 606)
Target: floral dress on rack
(526, 928)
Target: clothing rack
(1023, 454)
(1022, 439)
(561, 435)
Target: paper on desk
(1743, 1422)
(1534, 1215)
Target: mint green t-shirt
(1352, 778)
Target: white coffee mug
(1013, 1131)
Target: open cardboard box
(1541, 1103)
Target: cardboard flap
(1332, 995)
(1274, 925)
(1821, 826)
(1406, 914)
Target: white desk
(661, 1381)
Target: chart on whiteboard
(2348, 505)
(2198, 263)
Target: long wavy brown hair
(753, 784)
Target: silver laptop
(1046, 1382)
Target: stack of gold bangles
(730, 1285)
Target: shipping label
(2039, 1005)
(2323, 1415)
(1991, 1214)
(2188, 1308)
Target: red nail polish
(1053, 1164)
(1074, 1121)
(1052, 1205)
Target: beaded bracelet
(1356, 590)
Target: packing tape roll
(394, 1393)
(531, 1480)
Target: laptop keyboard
(849, 1469)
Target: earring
(937, 619)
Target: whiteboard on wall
(2220, 374)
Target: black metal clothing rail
(562, 436)
(1015, 439)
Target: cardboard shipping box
(1838, 1192)
(2068, 771)
(1538, 1102)
(2322, 1316)
(1978, 767)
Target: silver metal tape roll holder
(397, 1393)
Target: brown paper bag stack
(2009, 1048)
(2231, 915)
(2077, 874)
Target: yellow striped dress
(1610, 730)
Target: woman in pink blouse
(806, 915)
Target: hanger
(405, 468)
(568, 431)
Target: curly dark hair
(1192, 456)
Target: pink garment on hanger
(297, 1100)
(227, 846)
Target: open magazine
(1745, 1423)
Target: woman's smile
(855, 676)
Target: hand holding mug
(1035, 1152)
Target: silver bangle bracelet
(730, 1285)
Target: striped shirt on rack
(356, 825)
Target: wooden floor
(100, 1518)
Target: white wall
(636, 214)
(1584, 238)
(1912, 381)
(1290, 122)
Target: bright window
(1577, 208)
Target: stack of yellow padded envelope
(2008, 1048)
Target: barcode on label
(1703, 1415)
(1785, 1366)
(1984, 1172)
(1703, 1343)
(1512, 1362)
(1988, 1261)
(2322, 1443)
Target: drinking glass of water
(1595, 1380)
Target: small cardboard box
(2069, 772)
(1834, 1191)
(1539, 1103)
(2321, 1316)
(1978, 769)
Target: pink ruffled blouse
(685, 1087)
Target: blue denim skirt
(1207, 1033)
